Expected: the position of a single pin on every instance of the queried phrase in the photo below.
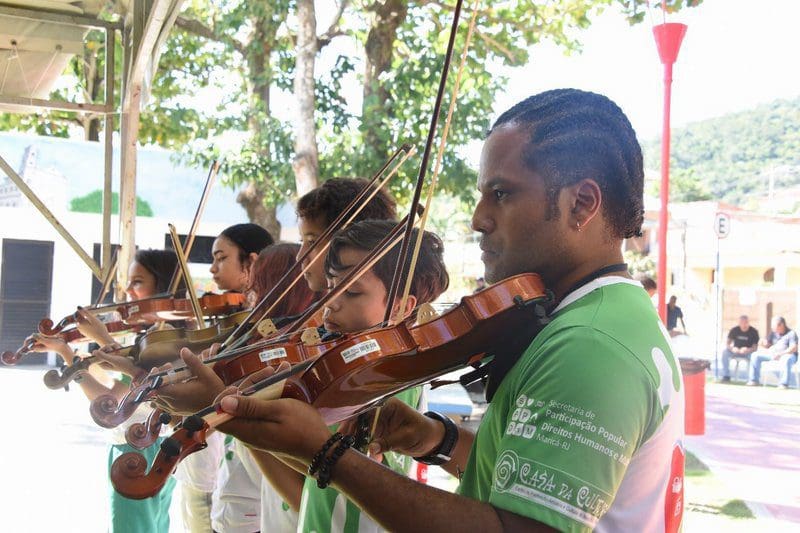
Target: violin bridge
(310, 336)
(266, 328)
(426, 313)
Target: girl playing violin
(233, 253)
(149, 274)
(235, 501)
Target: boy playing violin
(361, 306)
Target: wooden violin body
(363, 369)
(155, 349)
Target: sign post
(722, 227)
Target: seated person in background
(781, 346)
(742, 341)
(673, 314)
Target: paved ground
(53, 457)
(751, 443)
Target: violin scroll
(46, 327)
(129, 474)
(107, 412)
(55, 380)
(143, 434)
(12, 358)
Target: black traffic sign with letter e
(722, 225)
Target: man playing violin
(584, 431)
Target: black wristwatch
(443, 452)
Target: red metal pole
(663, 214)
(668, 40)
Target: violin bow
(265, 306)
(187, 276)
(400, 269)
(439, 157)
(187, 246)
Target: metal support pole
(668, 40)
(663, 215)
(718, 318)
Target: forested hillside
(732, 157)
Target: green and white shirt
(328, 511)
(585, 432)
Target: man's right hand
(404, 430)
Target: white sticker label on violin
(269, 355)
(133, 309)
(360, 350)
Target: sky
(735, 55)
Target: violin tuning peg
(193, 423)
(165, 418)
(171, 447)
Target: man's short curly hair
(575, 135)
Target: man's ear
(586, 198)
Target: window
(26, 282)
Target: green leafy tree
(734, 157)
(272, 46)
(93, 203)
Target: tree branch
(496, 45)
(333, 30)
(201, 30)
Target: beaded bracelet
(315, 462)
(324, 476)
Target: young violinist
(584, 430)
(236, 499)
(362, 306)
(148, 275)
(317, 209)
(233, 253)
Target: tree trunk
(389, 15)
(259, 80)
(251, 198)
(91, 129)
(306, 159)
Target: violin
(68, 336)
(153, 309)
(212, 305)
(157, 348)
(363, 369)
